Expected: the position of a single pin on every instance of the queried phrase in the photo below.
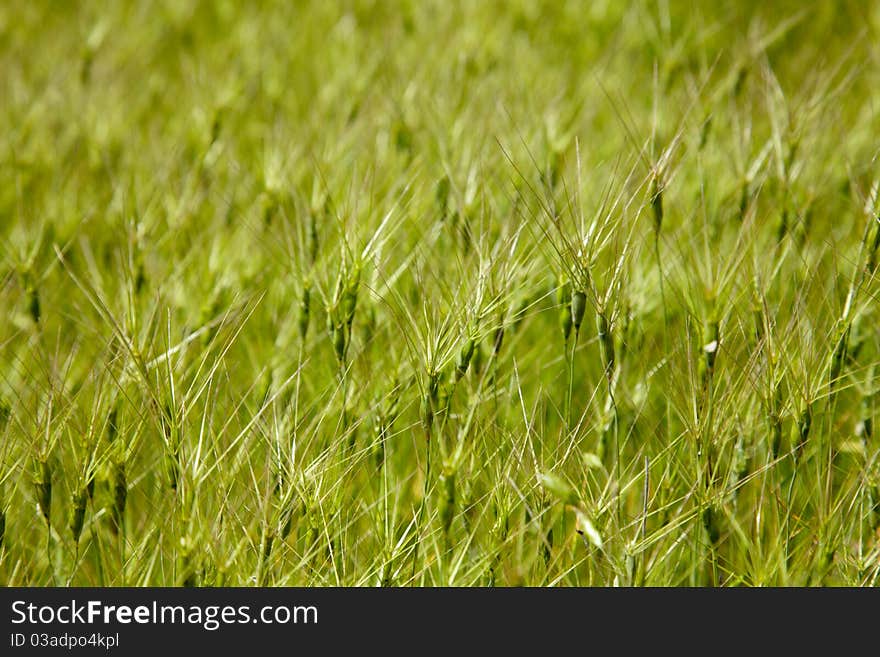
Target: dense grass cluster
(439, 293)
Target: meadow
(434, 293)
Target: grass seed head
(657, 202)
(350, 296)
(563, 300)
(340, 342)
(711, 518)
(578, 309)
(172, 446)
(78, 513)
(465, 355)
(606, 342)
(430, 401)
(43, 485)
(800, 431)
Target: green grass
(437, 293)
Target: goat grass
(439, 294)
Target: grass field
(439, 293)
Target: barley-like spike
(800, 432)
(578, 309)
(350, 296)
(434, 386)
(173, 469)
(606, 342)
(384, 421)
(78, 513)
(172, 448)
(339, 343)
(430, 402)
(712, 524)
(267, 545)
(657, 203)
(478, 359)
(43, 484)
(444, 397)
(563, 299)
(464, 358)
